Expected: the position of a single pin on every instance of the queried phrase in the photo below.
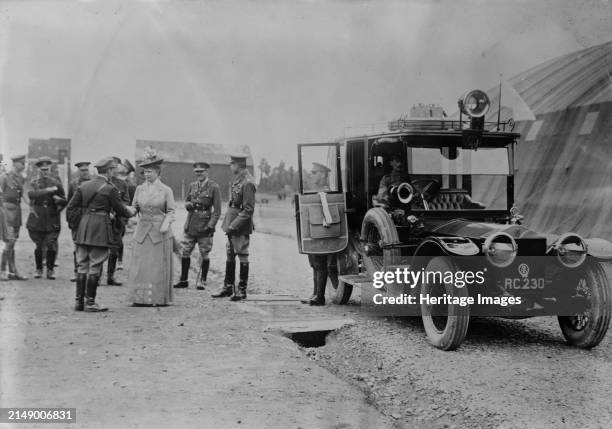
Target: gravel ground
(507, 374)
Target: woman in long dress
(150, 272)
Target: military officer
(203, 202)
(97, 198)
(123, 172)
(238, 225)
(11, 192)
(81, 176)
(47, 199)
(118, 225)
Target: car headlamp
(500, 249)
(571, 250)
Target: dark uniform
(94, 236)
(47, 199)
(118, 229)
(238, 225)
(11, 192)
(324, 265)
(203, 202)
(74, 184)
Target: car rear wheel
(587, 329)
(446, 325)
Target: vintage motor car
(449, 209)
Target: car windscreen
(456, 160)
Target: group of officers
(47, 199)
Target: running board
(356, 280)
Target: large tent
(564, 156)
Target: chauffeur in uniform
(203, 202)
(82, 176)
(397, 176)
(323, 265)
(238, 225)
(11, 192)
(47, 199)
(97, 198)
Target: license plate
(522, 283)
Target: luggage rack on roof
(444, 124)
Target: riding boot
(90, 294)
(240, 292)
(4, 274)
(110, 271)
(204, 269)
(120, 256)
(183, 282)
(4, 262)
(314, 290)
(81, 282)
(12, 267)
(73, 279)
(320, 282)
(228, 284)
(332, 272)
(38, 260)
(50, 264)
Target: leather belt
(234, 205)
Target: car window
(319, 168)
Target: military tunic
(238, 221)
(94, 234)
(11, 192)
(119, 222)
(203, 202)
(43, 223)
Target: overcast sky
(270, 74)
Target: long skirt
(150, 272)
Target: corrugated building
(179, 158)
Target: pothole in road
(308, 332)
(308, 339)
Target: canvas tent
(564, 157)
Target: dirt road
(206, 363)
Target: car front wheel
(446, 325)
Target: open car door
(320, 207)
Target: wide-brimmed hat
(81, 164)
(151, 162)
